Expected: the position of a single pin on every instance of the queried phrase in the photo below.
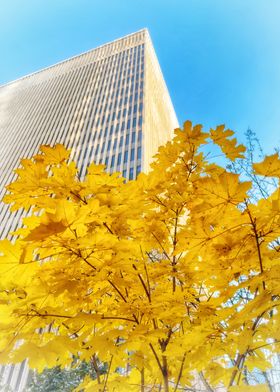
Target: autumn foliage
(164, 278)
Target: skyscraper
(109, 105)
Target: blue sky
(220, 58)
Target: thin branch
(117, 290)
(107, 375)
(180, 372)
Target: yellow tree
(162, 278)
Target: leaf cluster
(173, 274)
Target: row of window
(119, 156)
(101, 149)
(118, 93)
(130, 123)
(131, 172)
(122, 114)
(106, 147)
(108, 68)
(112, 104)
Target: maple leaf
(221, 137)
(269, 167)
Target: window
(125, 157)
(131, 173)
(140, 121)
(138, 170)
(132, 154)
(133, 137)
(134, 122)
(139, 152)
(113, 161)
(127, 139)
(119, 158)
(121, 141)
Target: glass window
(115, 143)
(127, 139)
(132, 154)
(121, 141)
(113, 161)
(119, 158)
(139, 152)
(131, 173)
(140, 121)
(133, 137)
(125, 157)
(134, 122)
(138, 170)
(109, 145)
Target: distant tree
(58, 379)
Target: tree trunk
(142, 381)
(165, 374)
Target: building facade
(109, 105)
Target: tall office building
(109, 105)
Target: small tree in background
(163, 278)
(65, 379)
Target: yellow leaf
(54, 155)
(220, 136)
(269, 167)
(249, 388)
